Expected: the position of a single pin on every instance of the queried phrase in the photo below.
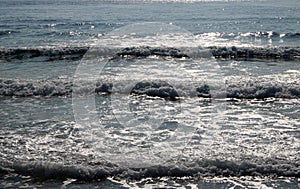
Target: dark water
(149, 94)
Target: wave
(239, 88)
(76, 53)
(49, 53)
(262, 53)
(268, 34)
(200, 167)
(7, 32)
(292, 35)
(24, 88)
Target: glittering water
(172, 116)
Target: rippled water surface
(135, 136)
(200, 94)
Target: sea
(150, 94)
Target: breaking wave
(271, 34)
(76, 53)
(49, 54)
(200, 167)
(240, 88)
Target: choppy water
(199, 94)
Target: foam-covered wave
(263, 87)
(23, 88)
(76, 53)
(271, 34)
(200, 167)
(241, 88)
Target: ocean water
(150, 94)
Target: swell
(77, 53)
(201, 167)
(240, 88)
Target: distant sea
(150, 94)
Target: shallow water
(249, 140)
(254, 138)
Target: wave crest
(76, 53)
(201, 167)
(240, 88)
